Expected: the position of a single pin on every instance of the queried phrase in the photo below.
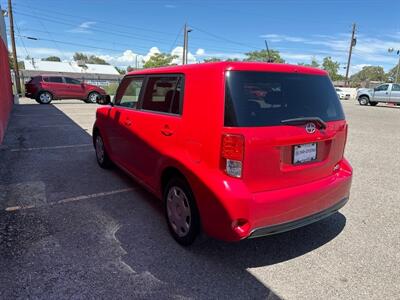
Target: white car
(342, 95)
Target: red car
(239, 150)
(44, 89)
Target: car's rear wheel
(44, 98)
(181, 211)
(102, 157)
(363, 100)
(373, 103)
(92, 97)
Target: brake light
(232, 154)
(345, 137)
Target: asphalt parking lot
(69, 229)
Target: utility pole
(390, 50)
(353, 42)
(186, 31)
(14, 50)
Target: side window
(55, 79)
(71, 80)
(163, 94)
(396, 87)
(129, 91)
(382, 87)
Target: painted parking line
(72, 199)
(50, 147)
(43, 126)
(54, 115)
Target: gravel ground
(69, 229)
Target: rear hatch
(293, 126)
(31, 87)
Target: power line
(22, 41)
(94, 20)
(74, 44)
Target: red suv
(239, 150)
(44, 89)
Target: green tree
(391, 75)
(314, 63)
(263, 55)
(159, 60)
(370, 73)
(332, 67)
(212, 59)
(52, 58)
(89, 59)
(21, 64)
(216, 59)
(120, 70)
(232, 59)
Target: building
(91, 73)
(68, 67)
(6, 96)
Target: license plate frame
(304, 153)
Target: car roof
(234, 66)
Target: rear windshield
(265, 99)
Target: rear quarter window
(255, 99)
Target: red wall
(6, 96)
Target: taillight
(232, 153)
(345, 137)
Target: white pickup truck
(387, 92)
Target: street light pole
(186, 31)
(14, 49)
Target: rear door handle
(128, 122)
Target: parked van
(239, 150)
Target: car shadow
(212, 268)
(151, 264)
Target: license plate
(304, 153)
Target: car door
(157, 124)
(395, 93)
(75, 88)
(381, 93)
(56, 86)
(122, 122)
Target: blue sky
(120, 30)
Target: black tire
(184, 236)
(44, 97)
(92, 97)
(373, 103)
(363, 100)
(102, 157)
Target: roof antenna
(269, 53)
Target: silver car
(342, 95)
(387, 92)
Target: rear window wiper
(315, 120)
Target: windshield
(265, 99)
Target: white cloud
(280, 37)
(178, 51)
(200, 52)
(368, 51)
(83, 27)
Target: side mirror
(104, 100)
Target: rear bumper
(234, 213)
(274, 229)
